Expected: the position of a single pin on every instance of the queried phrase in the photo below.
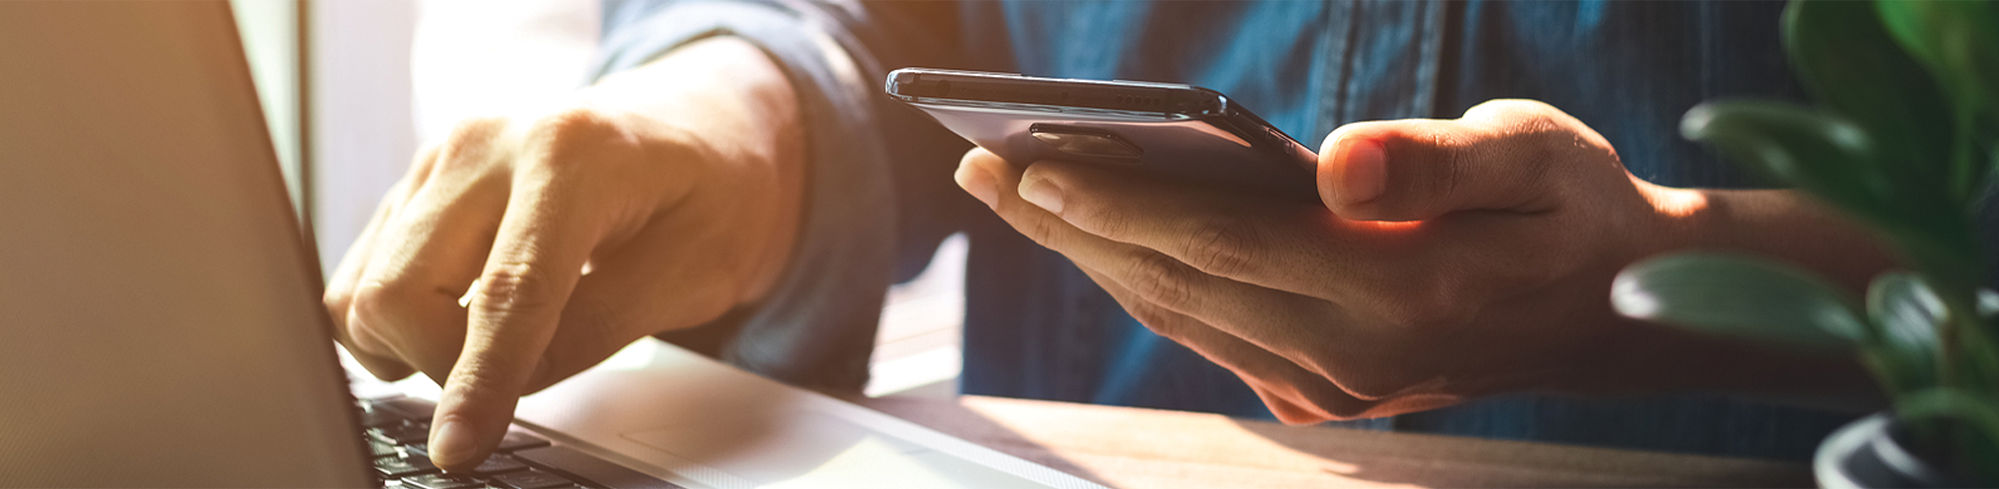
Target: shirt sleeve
(817, 327)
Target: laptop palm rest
(692, 420)
(818, 448)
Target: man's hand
(660, 199)
(1452, 259)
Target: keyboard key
(516, 440)
(410, 407)
(443, 481)
(404, 466)
(373, 402)
(402, 434)
(381, 448)
(373, 418)
(598, 472)
(498, 463)
(532, 479)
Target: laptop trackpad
(771, 450)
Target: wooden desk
(1145, 448)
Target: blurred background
(351, 89)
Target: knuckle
(1374, 389)
(1337, 405)
(384, 303)
(1410, 382)
(1156, 319)
(1526, 123)
(1439, 157)
(1159, 279)
(1348, 382)
(366, 341)
(471, 132)
(1222, 246)
(464, 147)
(1290, 415)
(565, 137)
(1294, 415)
(337, 302)
(1512, 109)
(1346, 413)
(514, 289)
(1044, 231)
(1349, 398)
(570, 122)
(1537, 131)
(1460, 156)
(1102, 220)
(365, 337)
(474, 129)
(426, 158)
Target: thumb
(1408, 170)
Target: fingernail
(453, 443)
(979, 183)
(1042, 193)
(1363, 172)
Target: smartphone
(1184, 133)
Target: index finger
(537, 258)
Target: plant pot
(1869, 453)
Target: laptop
(160, 323)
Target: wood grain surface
(1146, 448)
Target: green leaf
(1981, 413)
(1742, 296)
(1980, 357)
(1822, 154)
(1959, 42)
(1904, 20)
(1851, 65)
(1978, 348)
(1908, 313)
(1956, 38)
(1828, 157)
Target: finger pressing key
(514, 308)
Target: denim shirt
(881, 197)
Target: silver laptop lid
(159, 315)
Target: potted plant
(1905, 138)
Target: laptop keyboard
(397, 428)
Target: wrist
(1776, 224)
(726, 113)
(1792, 227)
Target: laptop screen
(159, 310)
